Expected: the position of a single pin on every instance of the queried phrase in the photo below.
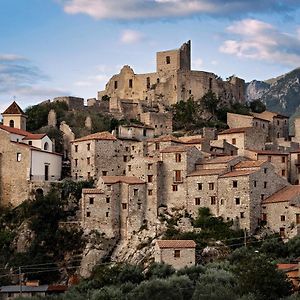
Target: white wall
(39, 159)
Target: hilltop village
(248, 173)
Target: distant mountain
(281, 94)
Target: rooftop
(237, 173)
(235, 130)
(219, 160)
(26, 134)
(284, 195)
(269, 152)
(104, 135)
(207, 172)
(165, 244)
(173, 149)
(13, 109)
(165, 138)
(122, 179)
(250, 164)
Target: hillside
(281, 94)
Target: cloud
(19, 77)
(131, 36)
(93, 80)
(145, 9)
(258, 40)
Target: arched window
(46, 146)
(12, 123)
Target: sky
(51, 48)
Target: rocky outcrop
(23, 239)
(256, 89)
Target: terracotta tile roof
(122, 179)
(104, 135)
(237, 173)
(35, 148)
(92, 191)
(173, 149)
(284, 195)
(195, 141)
(250, 164)
(26, 134)
(235, 130)
(165, 138)
(207, 172)
(13, 109)
(268, 152)
(219, 160)
(287, 266)
(163, 244)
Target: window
(149, 166)
(178, 157)
(283, 159)
(264, 217)
(157, 80)
(124, 205)
(282, 232)
(116, 84)
(177, 176)
(254, 183)
(130, 83)
(135, 192)
(269, 158)
(211, 186)
(265, 170)
(125, 158)
(148, 82)
(234, 141)
(234, 183)
(88, 160)
(88, 214)
(139, 205)
(129, 168)
(76, 162)
(156, 145)
(76, 176)
(242, 215)
(200, 185)
(175, 188)
(88, 146)
(210, 83)
(12, 123)
(91, 200)
(107, 214)
(107, 200)
(197, 201)
(168, 60)
(132, 147)
(30, 143)
(76, 148)
(150, 178)
(283, 172)
(213, 200)
(222, 201)
(19, 156)
(144, 132)
(282, 218)
(104, 173)
(237, 201)
(262, 196)
(297, 218)
(46, 146)
(89, 175)
(265, 185)
(150, 192)
(177, 253)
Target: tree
(211, 102)
(256, 274)
(159, 270)
(257, 106)
(294, 247)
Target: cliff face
(281, 94)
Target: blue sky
(52, 48)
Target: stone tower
(173, 60)
(52, 119)
(14, 117)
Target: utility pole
(20, 280)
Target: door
(46, 172)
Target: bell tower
(14, 117)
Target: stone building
(244, 138)
(279, 160)
(278, 125)
(177, 253)
(117, 207)
(295, 166)
(161, 121)
(27, 161)
(173, 81)
(281, 211)
(135, 131)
